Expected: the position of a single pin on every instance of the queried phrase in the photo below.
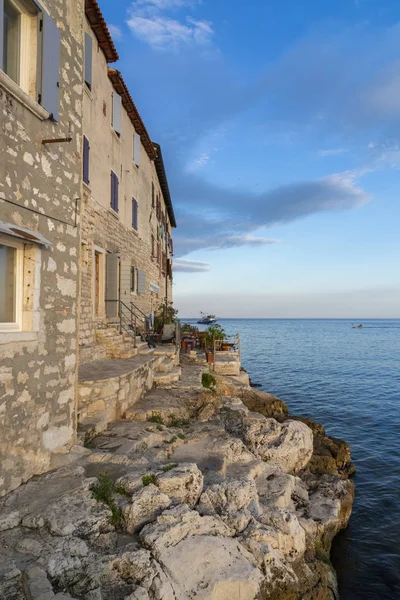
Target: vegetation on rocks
(208, 380)
(148, 479)
(104, 491)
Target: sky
(279, 122)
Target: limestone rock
(235, 501)
(183, 483)
(288, 445)
(212, 568)
(146, 505)
(9, 520)
(29, 546)
(177, 523)
(77, 513)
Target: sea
(348, 380)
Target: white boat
(207, 319)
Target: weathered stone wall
(103, 228)
(38, 365)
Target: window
(116, 113)
(134, 214)
(88, 60)
(153, 246)
(11, 257)
(86, 154)
(152, 195)
(114, 191)
(134, 279)
(136, 149)
(30, 51)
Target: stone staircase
(108, 388)
(119, 345)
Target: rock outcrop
(235, 505)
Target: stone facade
(40, 191)
(141, 249)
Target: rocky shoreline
(197, 494)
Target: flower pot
(210, 357)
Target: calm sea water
(349, 380)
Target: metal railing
(231, 343)
(127, 319)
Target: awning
(25, 234)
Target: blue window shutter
(50, 92)
(116, 112)
(112, 190)
(116, 183)
(134, 214)
(136, 152)
(88, 59)
(86, 152)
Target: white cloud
(115, 31)
(198, 163)
(190, 266)
(148, 20)
(165, 4)
(332, 151)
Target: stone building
(127, 214)
(41, 93)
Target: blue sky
(280, 127)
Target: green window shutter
(88, 59)
(50, 92)
(112, 284)
(141, 289)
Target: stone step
(165, 366)
(166, 351)
(145, 350)
(166, 379)
(106, 333)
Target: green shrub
(104, 491)
(147, 479)
(181, 436)
(174, 421)
(208, 380)
(167, 468)
(156, 419)
(160, 427)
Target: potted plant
(213, 333)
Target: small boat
(207, 319)
(357, 326)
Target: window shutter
(152, 194)
(141, 288)
(125, 281)
(114, 191)
(134, 214)
(88, 59)
(152, 245)
(136, 151)
(86, 149)
(111, 284)
(116, 113)
(50, 91)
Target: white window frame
(30, 47)
(19, 282)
